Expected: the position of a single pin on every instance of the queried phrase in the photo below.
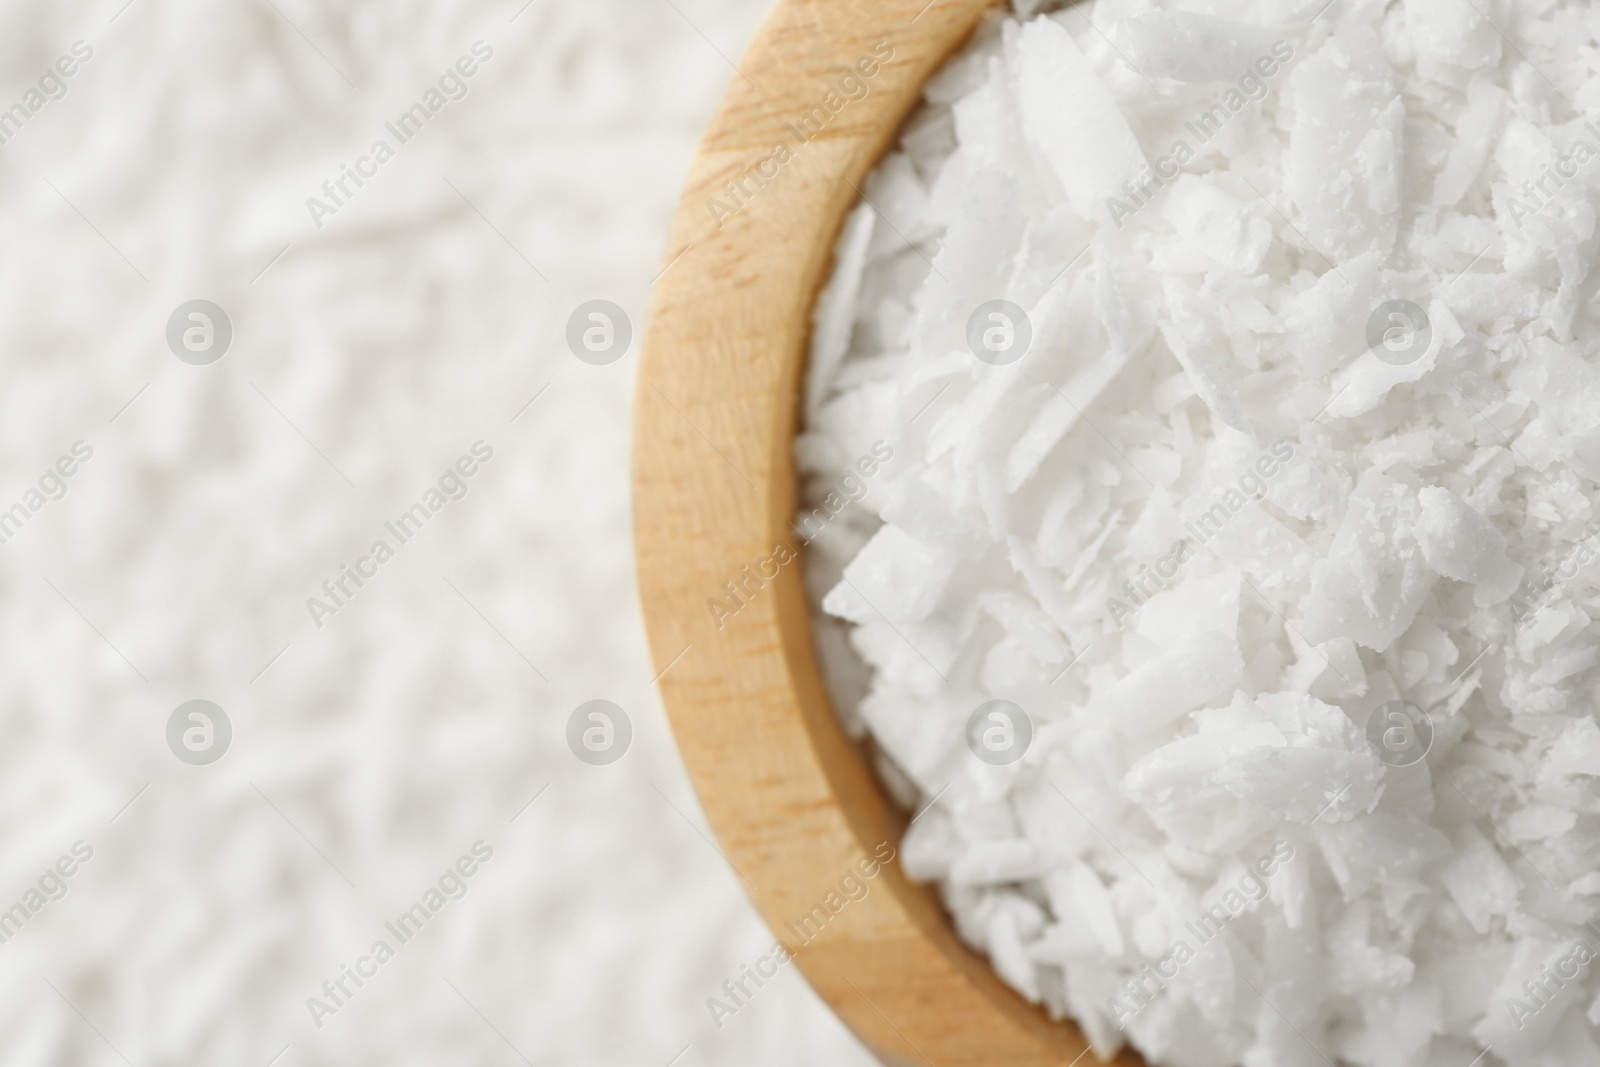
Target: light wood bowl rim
(791, 800)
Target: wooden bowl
(793, 802)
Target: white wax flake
(976, 259)
(1053, 72)
(1232, 232)
(835, 315)
(1057, 416)
(1539, 822)
(1469, 149)
(1182, 614)
(1026, 623)
(1325, 772)
(997, 862)
(1455, 540)
(1010, 957)
(1191, 47)
(1367, 380)
(1199, 347)
(1327, 322)
(1478, 880)
(923, 512)
(1566, 385)
(1184, 772)
(1275, 548)
(894, 574)
(1345, 148)
(1157, 693)
(1094, 903)
(1448, 34)
(1577, 750)
(1375, 576)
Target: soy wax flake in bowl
(1225, 609)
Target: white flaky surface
(1380, 529)
(380, 747)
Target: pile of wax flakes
(1225, 609)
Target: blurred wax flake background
(374, 750)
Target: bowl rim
(793, 803)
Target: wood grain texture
(793, 803)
